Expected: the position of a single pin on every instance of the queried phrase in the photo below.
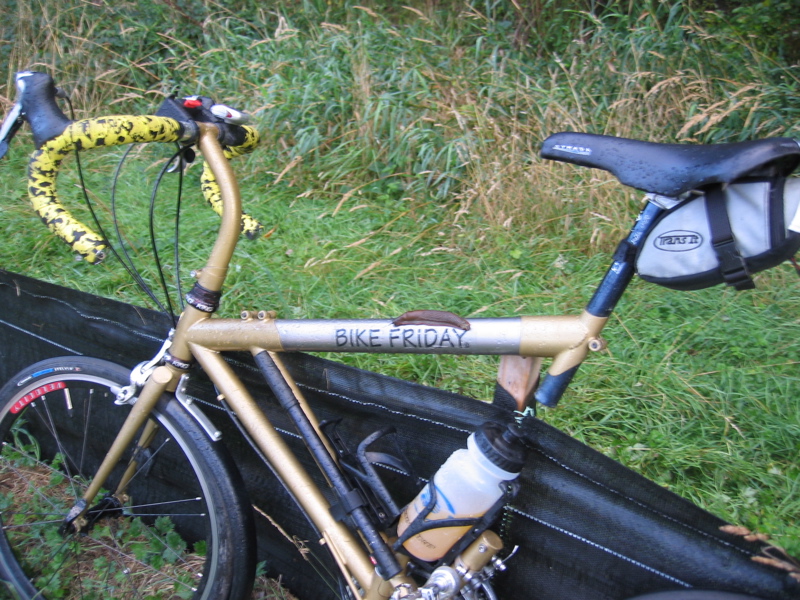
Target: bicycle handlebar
(56, 136)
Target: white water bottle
(467, 486)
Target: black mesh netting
(587, 527)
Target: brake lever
(14, 118)
(219, 113)
(10, 126)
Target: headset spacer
(176, 362)
(203, 299)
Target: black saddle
(672, 169)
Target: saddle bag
(723, 236)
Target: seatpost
(606, 296)
(621, 271)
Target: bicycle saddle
(672, 169)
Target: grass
(399, 170)
(123, 556)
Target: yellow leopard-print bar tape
(250, 226)
(84, 135)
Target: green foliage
(772, 25)
(35, 486)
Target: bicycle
(164, 481)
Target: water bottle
(467, 486)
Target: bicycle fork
(155, 386)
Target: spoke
(40, 463)
(118, 558)
(22, 475)
(120, 552)
(125, 569)
(78, 559)
(65, 544)
(52, 429)
(155, 537)
(6, 527)
(87, 412)
(197, 499)
(32, 514)
(169, 515)
(106, 584)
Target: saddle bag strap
(777, 222)
(731, 264)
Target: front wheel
(181, 528)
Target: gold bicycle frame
(566, 339)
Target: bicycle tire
(184, 529)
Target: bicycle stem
(211, 277)
(209, 281)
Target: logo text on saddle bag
(678, 241)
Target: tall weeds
(415, 101)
